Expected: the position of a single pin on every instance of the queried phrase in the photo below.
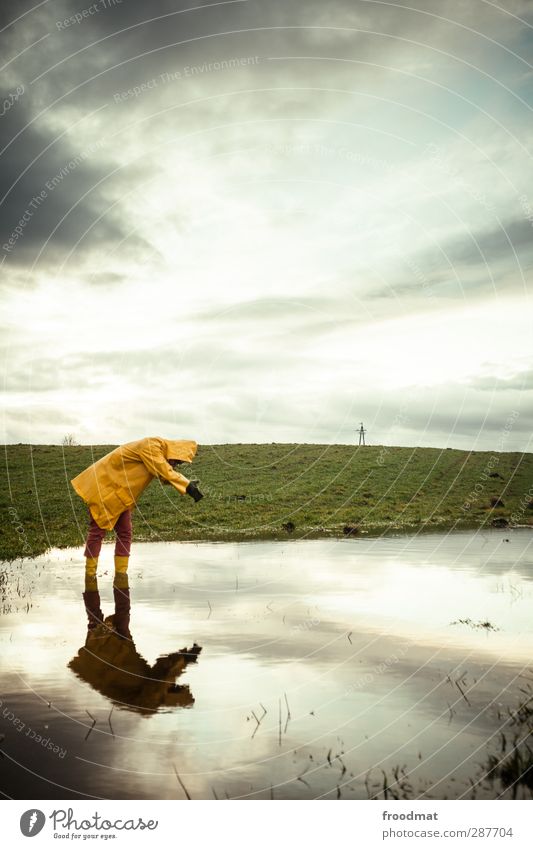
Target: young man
(112, 485)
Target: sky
(267, 221)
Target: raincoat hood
(180, 449)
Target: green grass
(321, 489)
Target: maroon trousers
(122, 531)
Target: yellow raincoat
(114, 483)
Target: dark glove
(193, 490)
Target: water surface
(328, 669)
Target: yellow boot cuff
(121, 564)
(121, 581)
(91, 565)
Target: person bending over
(112, 486)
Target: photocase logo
(32, 822)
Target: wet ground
(328, 669)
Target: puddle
(313, 669)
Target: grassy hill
(272, 491)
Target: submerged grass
(272, 491)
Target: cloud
(52, 196)
(518, 383)
(265, 249)
(512, 243)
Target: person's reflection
(111, 664)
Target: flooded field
(384, 668)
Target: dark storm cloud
(479, 261)
(50, 191)
(126, 43)
(432, 416)
(10, 10)
(511, 243)
(521, 382)
(50, 188)
(119, 45)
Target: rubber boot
(91, 599)
(121, 580)
(121, 595)
(91, 565)
(121, 564)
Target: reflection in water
(330, 669)
(111, 664)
